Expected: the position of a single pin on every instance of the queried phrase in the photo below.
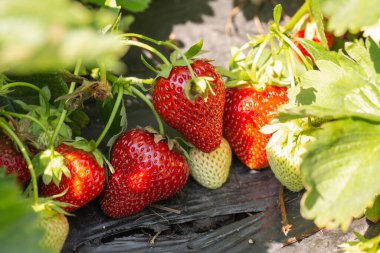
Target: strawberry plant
(343, 100)
(335, 97)
(303, 99)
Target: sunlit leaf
(19, 230)
(341, 172)
(350, 15)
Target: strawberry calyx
(287, 134)
(199, 87)
(185, 59)
(49, 207)
(159, 137)
(173, 144)
(271, 58)
(51, 165)
(91, 148)
(196, 86)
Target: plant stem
(300, 237)
(167, 43)
(147, 47)
(164, 43)
(286, 227)
(236, 54)
(290, 67)
(149, 103)
(257, 56)
(134, 80)
(11, 133)
(103, 73)
(18, 115)
(118, 101)
(32, 86)
(295, 48)
(299, 14)
(64, 112)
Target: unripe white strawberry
(285, 149)
(56, 229)
(211, 170)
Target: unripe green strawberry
(211, 170)
(284, 152)
(56, 228)
(285, 165)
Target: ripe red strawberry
(145, 172)
(200, 122)
(314, 37)
(86, 182)
(245, 112)
(13, 160)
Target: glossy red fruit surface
(145, 172)
(13, 160)
(245, 112)
(200, 122)
(86, 182)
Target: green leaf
(98, 157)
(45, 90)
(78, 120)
(194, 50)
(173, 57)
(24, 106)
(148, 65)
(182, 63)
(363, 245)
(55, 35)
(235, 83)
(368, 58)
(165, 70)
(277, 12)
(50, 166)
(340, 92)
(373, 212)
(133, 5)
(226, 73)
(318, 51)
(372, 31)
(97, 2)
(82, 144)
(120, 121)
(318, 17)
(126, 22)
(350, 15)
(19, 230)
(123, 127)
(53, 81)
(341, 172)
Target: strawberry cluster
(146, 166)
